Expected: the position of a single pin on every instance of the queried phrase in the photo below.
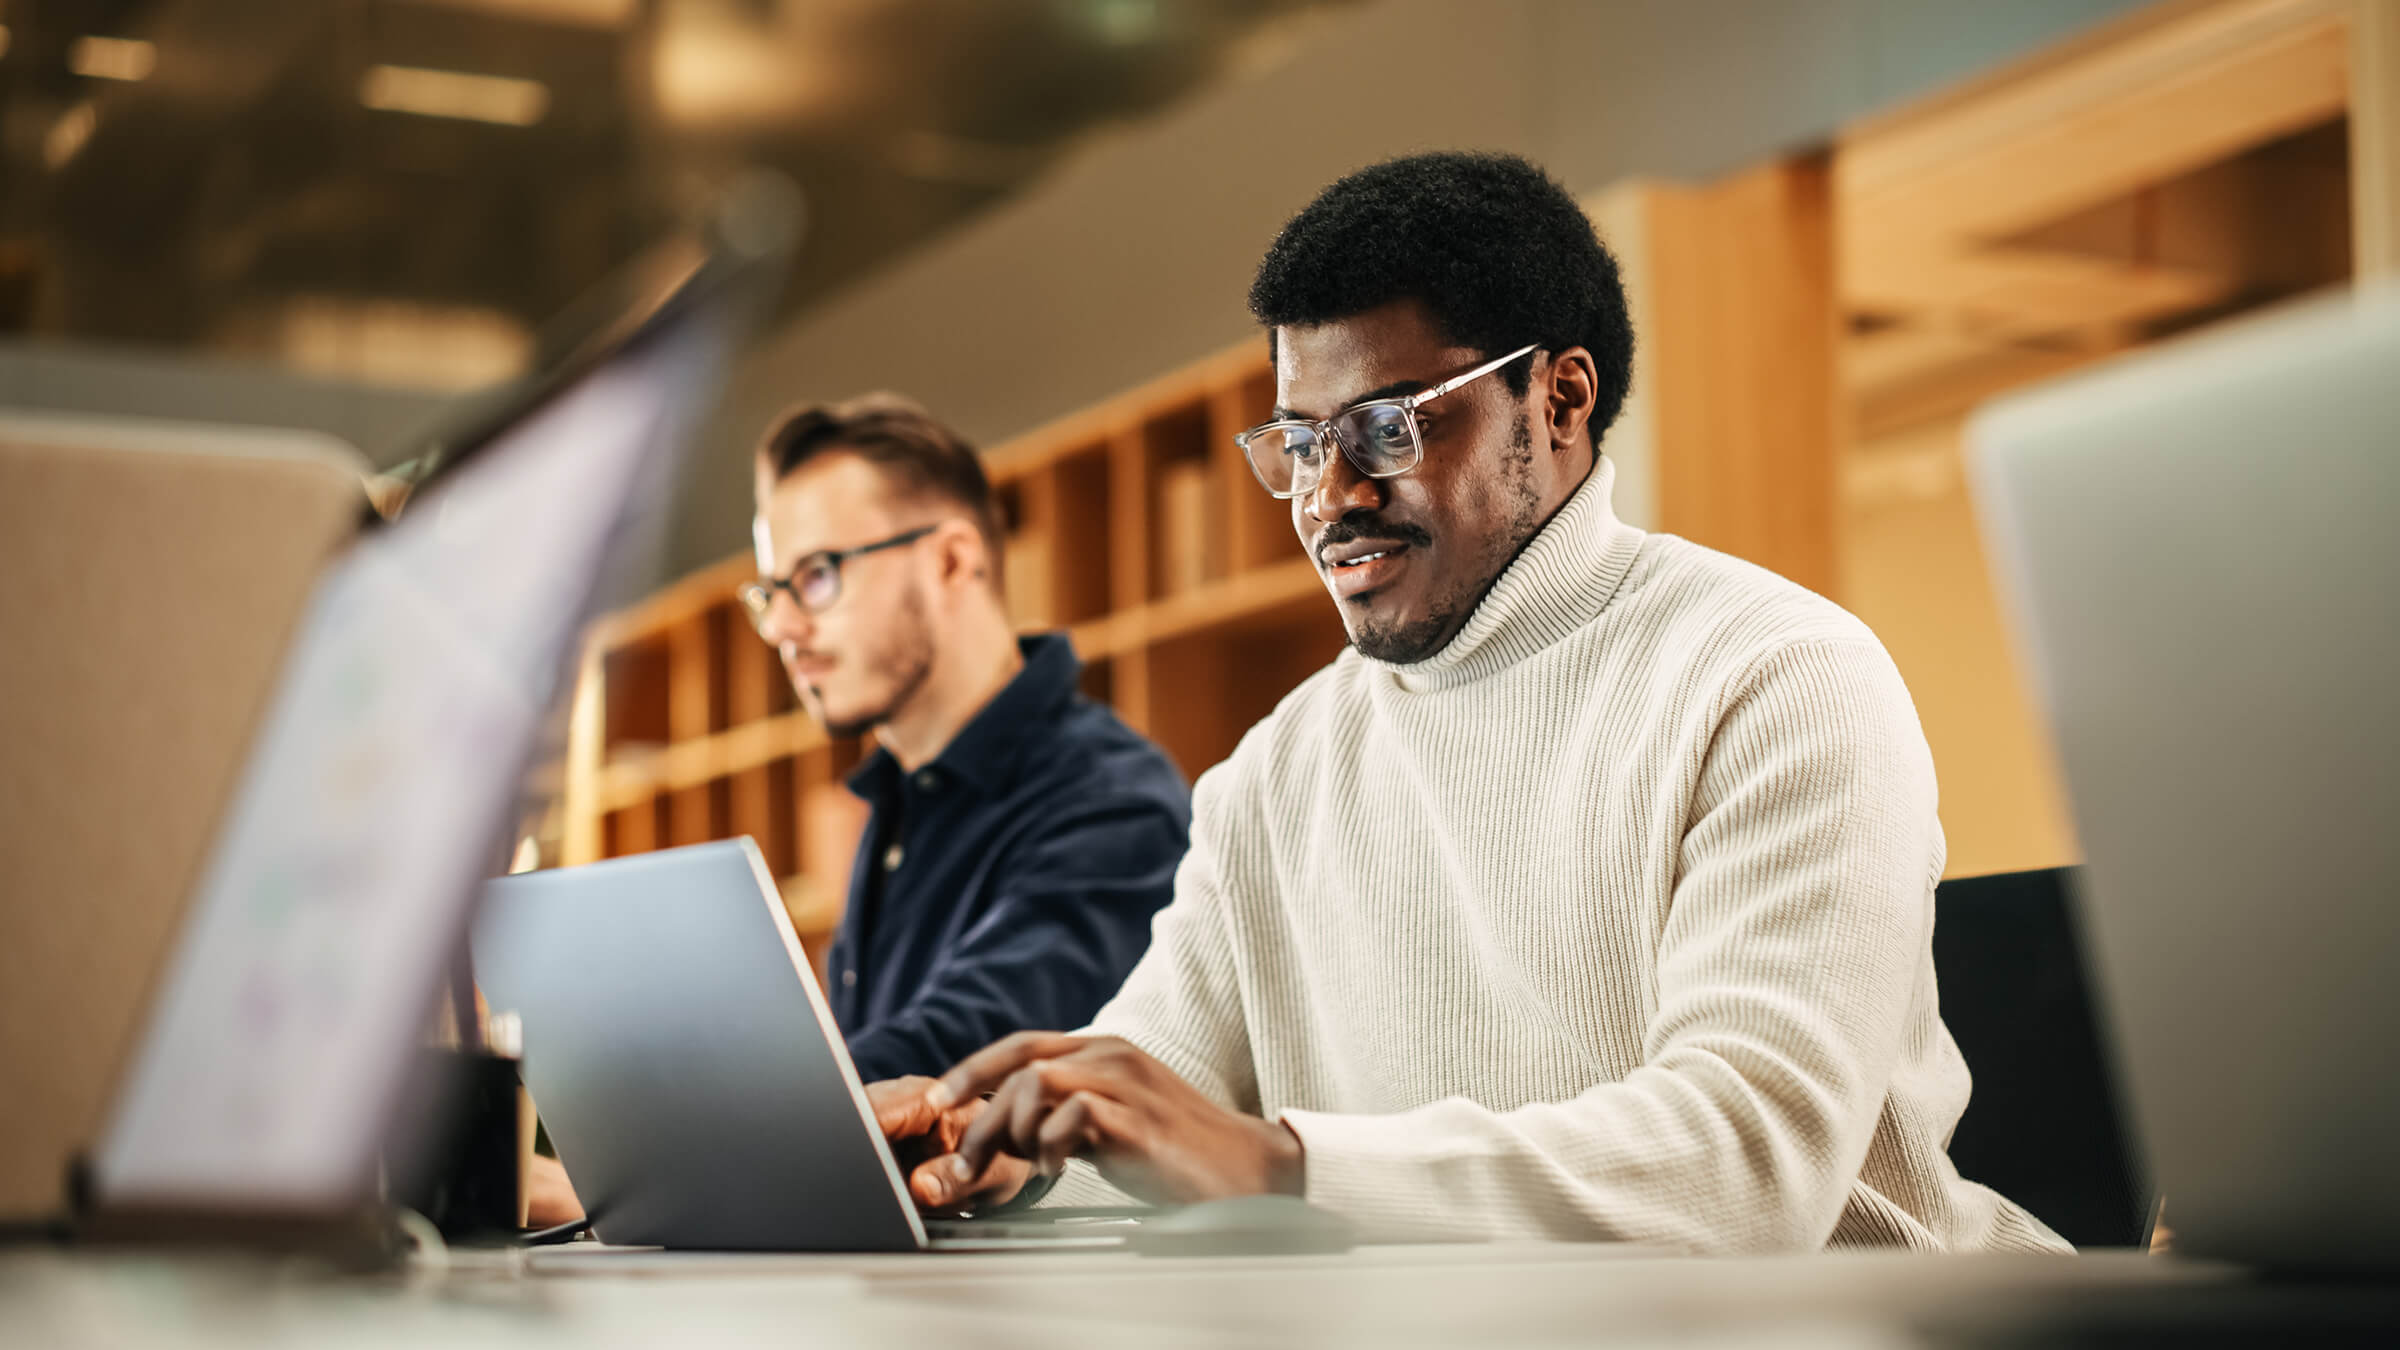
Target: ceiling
(400, 190)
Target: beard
(898, 665)
(1407, 643)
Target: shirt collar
(985, 751)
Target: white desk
(1528, 1295)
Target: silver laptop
(2203, 549)
(690, 1073)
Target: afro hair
(1497, 252)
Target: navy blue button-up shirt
(1009, 883)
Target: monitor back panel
(2204, 546)
(151, 574)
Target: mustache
(1369, 525)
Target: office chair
(2044, 1127)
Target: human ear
(1572, 390)
(963, 560)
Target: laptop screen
(375, 796)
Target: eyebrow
(1393, 390)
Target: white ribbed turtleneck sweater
(1611, 920)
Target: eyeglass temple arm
(1477, 373)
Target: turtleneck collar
(1562, 579)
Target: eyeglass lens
(1380, 439)
(815, 583)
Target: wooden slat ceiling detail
(1951, 259)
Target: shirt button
(928, 780)
(849, 979)
(891, 858)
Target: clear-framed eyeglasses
(1380, 437)
(815, 581)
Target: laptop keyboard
(1028, 1228)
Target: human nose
(785, 623)
(1341, 489)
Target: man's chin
(844, 723)
(847, 725)
(1394, 638)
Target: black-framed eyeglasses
(1379, 437)
(815, 581)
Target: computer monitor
(2200, 548)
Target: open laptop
(2202, 545)
(689, 1070)
(335, 900)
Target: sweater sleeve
(1785, 967)
(1182, 1004)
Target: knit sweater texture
(1611, 920)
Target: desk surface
(1518, 1294)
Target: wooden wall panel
(1913, 567)
(1741, 366)
(1257, 527)
(2375, 138)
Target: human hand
(924, 1142)
(549, 1197)
(1152, 1134)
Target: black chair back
(2044, 1127)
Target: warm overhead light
(1123, 23)
(451, 93)
(66, 135)
(399, 343)
(581, 13)
(3, 39)
(713, 72)
(107, 58)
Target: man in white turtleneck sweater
(1588, 895)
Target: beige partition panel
(150, 575)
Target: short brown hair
(918, 456)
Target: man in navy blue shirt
(1020, 836)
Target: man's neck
(961, 682)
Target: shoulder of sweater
(1731, 606)
(1266, 742)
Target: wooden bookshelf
(1134, 526)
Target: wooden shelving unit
(1133, 525)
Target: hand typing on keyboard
(925, 1141)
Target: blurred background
(1845, 224)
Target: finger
(984, 1136)
(900, 1106)
(1023, 1124)
(950, 1125)
(1012, 1124)
(980, 1072)
(930, 1183)
(1066, 1131)
(933, 1187)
